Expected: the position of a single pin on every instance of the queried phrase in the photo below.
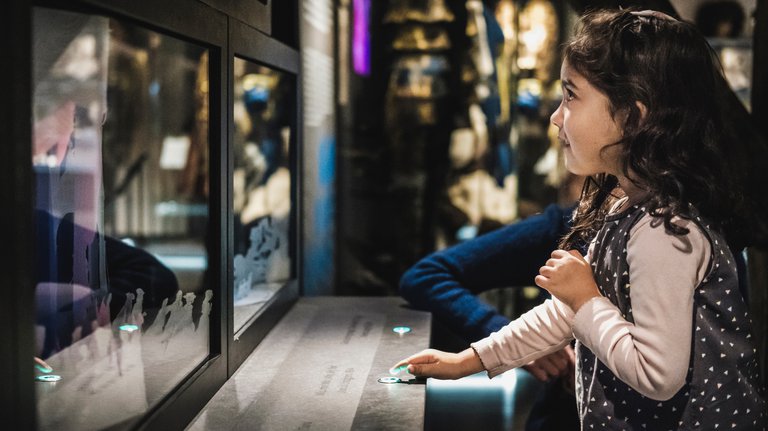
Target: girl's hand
(568, 276)
(442, 365)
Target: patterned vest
(721, 390)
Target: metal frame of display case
(225, 36)
(256, 13)
(16, 338)
(248, 44)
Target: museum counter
(319, 369)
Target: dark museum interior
(252, 214)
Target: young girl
(663, 335)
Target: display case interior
(264, 112)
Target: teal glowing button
(401, 329)
(389, 380)
(48, 378)
(128, 328)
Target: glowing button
(389, 380)
(401, 329)
(48, 378)
(128, 328)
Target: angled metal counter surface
(318, 369)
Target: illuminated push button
(48, 378)
(128, 328)
(401, 329)
(389, 380)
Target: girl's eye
(569, 95)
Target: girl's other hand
(442, 365)
(568, 277)
(561, 363)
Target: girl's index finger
(423, 357)
(402, 363)
(397, 369)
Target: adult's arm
(447, 282)
(128, 268)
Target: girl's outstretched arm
(541, 331)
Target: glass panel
(264, 112)
(120, 153)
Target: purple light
(361, 38)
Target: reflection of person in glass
(84, 279)
(74, 294)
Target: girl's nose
(557, 117)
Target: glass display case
(143, 205)
(120, 153)
(262, 185)
(264, 112)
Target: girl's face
(586, 126)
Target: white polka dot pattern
(722, 387)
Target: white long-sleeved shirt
(652, 354)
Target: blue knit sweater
(446, 282)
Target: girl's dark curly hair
(681, 149)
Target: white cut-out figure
(253, 268)
(137, 318)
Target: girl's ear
(643, 110)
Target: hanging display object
(419, 76)
(537, 37)
(506, 67)
(418, 37)
(418, 73)
(431, 11)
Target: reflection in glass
(120, 155)
(263, 113)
